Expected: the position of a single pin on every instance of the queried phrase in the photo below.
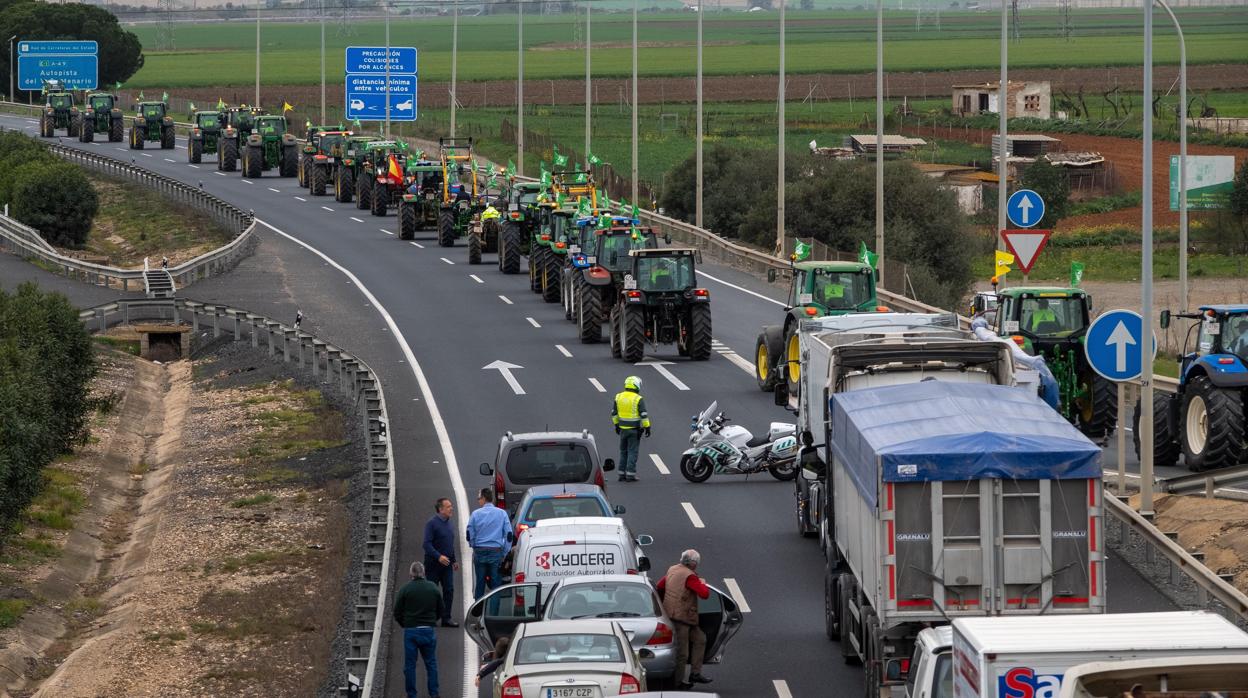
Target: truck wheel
(344, 185)
(1166, 448)
(316, 180)
(632, 334)
(699, 338)
(407, 221)
(613, 332)
(792, 354)
(767, 357)
(446, 228)
(168, 137)
(474, 248)
(550, 278)
(509, 249)
(696, 468)
(227, 160)
(363, 192)
(831, 604)
(380, 198)
(253, 163)
(1212, 426)
(116, 130)
(289, 164)
(1098, 412)
(195, 151)
(589, 318)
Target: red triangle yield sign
(1026, 246)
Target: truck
(1032, 656)
(950, 501)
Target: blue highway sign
(1112, 345)
(1025, 208)
(372, 60)
(366, 97)
(57, 48)
(76, 72)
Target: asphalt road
(456, 319)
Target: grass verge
(134, 222)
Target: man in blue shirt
(440, 561)
(489, 531)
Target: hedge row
(45, 192)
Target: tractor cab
(331, 144)
(659, 302)
(61, 101)
(270, 126)
(425, 175)
(241, 118)
(208, 120)
(152, 111)
(1221, 339)
(1042, 319)
(311, 132)
(101, 102)
(667, 271)
(833, 288)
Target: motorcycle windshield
(708, 413)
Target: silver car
(569, 659)
(630, 600)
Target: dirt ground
(224, 542)
(1216, 527)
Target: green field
(736, 43)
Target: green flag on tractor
(1076, 273)
(220, 104)
(511, 168)
(801, 251)
(866, 256)
(561, 160)
(594, 160)
(582, 208)
(164, 97)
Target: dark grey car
(543, 458)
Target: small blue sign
(1025, 208)
(372, 60)
(366, 97)
(76, 72)
(1112, 345)
(58, 48)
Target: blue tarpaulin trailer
(955, 499)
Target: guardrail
(1208, 482)
(357, 381)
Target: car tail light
(812, 311)
(905, 666)
(518, 579)
(500, 491)
(511, 687)
(521, 529)
(628, 684)
(631, 571)
(662, 635)
(598, 480)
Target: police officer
(631, 420)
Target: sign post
(377, 88)
(1025, 209)
(74, 63)
(1026, 246)
(1113, 348)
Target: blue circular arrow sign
(1112, 345)
(1025, 208)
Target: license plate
(572, 692)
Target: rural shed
(893, 145)
(1030, 99)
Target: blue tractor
(1204, 418)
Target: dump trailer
(954, 500)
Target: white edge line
(739, 288)
(444, 441)
(735, 590)
(658, 462)
(693, 515)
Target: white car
(570, 659)
(357, 104)
(404, 105)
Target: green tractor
(419, 209)
(460, 200)
(205, 138)
(102, 115)
(601, 270)
(1053, 322)
(385, 168)
(59, 112)
(321, 170)
(660, 303)
(351, 168)
(152, 123)
(269, 146)
(312, 136)
(520, 227)
(548, 249)
(817, 289)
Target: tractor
(595, 288)
(59, 112)
(269, 146)
(152, 123)
(483, 234)
(101, 115)
(237, 124)
(1053, 322)
(519, 227)
(206, 138)
(350, 169)
(460, 201)
(1204, 419)
(660, 303)
(817, 289)
(328, 152)
(418, 209)
(385, 170)
(311, 136)
(548, 251)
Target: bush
(56, 199)
(1053, 186)
(121, 54)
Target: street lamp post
(697, 208)
(879, 139)
(780, 144)
(1182, 156)
(1003, 108)
(257, 102)
(634, 158)
(1146, 280)
(588, 95)
(386, 8)
(322, 61)
(454, 62)
(520, 87)
(13, 59)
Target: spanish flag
(395, 172)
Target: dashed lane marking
(168, 159)
(418, 245)
(248, 181)
(444, 259)
(658, 463)
(693, 515)
(300, 198)
(533, 322)
(357, 220)
(506, 300)
(328, 209)
(782, 688)
(597, 386)
(219, 174)
(474, 277)
(563, 350)
(195, 166)
(275, 191)
(735, 590)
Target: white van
(578, 547)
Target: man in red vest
(680, 590)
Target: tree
(1051, 183)
(120, 53)
(55, 198)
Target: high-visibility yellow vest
(630, 411)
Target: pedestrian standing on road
(489, 532)
(440, 561)
(631, 420)
(680, 590)
(493, 659)
(298, 318)
(417, 609)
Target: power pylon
(164, 29)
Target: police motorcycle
(729, 449)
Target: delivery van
(578, 547)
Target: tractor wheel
(289, 164)
(227, 154)
(43, 126)
(699, 338)
(1098, 412)
(1212, 426)
(194, 151)
(491, 232)
(253, 163)
(86, 132)
(116, 130)
(316, 180)
(474, 248)
(509, 249)
(1166, 448)
(169, 138)
(791, 355)
(613, 332)
(767, 350)
(536, 263)
(137, 136)
(632, 334)
(364, 192)
(550, 278)
(377, 205)
(344, 185)
(589, 315)
(75, 126)
(305, 162)
(446, 228)
(566, 288)
(407, 221)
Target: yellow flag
(287, 106)
(1003, 262)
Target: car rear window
(538, 464)
(563, 507)
(604, 600)
(569, 648)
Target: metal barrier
(328, 364)
(1207, 482)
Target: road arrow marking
(1024, 205)
(505, 369)
(659, 366)
(1120, 337)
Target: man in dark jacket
(440, 561)
(680, 590)
(417, 609)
